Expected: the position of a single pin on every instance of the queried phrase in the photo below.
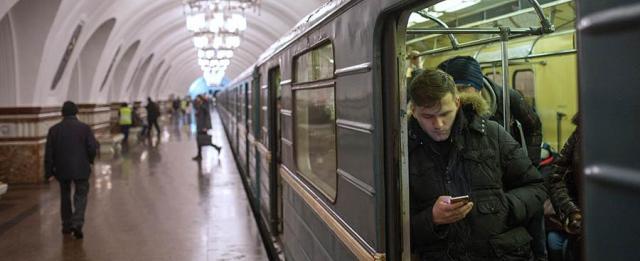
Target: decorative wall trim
(33, 123)
(28, 110)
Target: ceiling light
(453, 5)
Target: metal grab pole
(547, 26)
(452, 38)
(506, 113)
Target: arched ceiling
(159, 25)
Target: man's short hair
(428, 88)
(69, 109)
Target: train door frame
(397, 229)
(247, 129)
(609, 123)
(257, 133)
(237, 111)
(395, 114)
(275, 183)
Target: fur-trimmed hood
(473, 103)
(470, 103)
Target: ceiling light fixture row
(217, 27)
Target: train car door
(245, 111)
(608, 70)
(431, 37)
(274, 147)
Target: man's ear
(457, 101)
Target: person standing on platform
(70, 150)
(203, 124)
(153, 112)
(175, 104)
(125, 121)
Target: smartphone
(464, 199)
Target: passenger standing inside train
(454, 151)
(70, 150)
(125, 120)
(415, 65)
(203, 124)
(563, 185)
(468, 77)
(153, 113)
(466, 72)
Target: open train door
(609, 72)
(275, 183)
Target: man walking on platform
(203, 124)
(70, 150)
(153, 112)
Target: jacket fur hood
(473, 103)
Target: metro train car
(318, 123)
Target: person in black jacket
(454, 151)
(468, 77)
(153, 113)
(203, 124)
(564, 186)
(70, 150)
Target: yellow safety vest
(125, 116)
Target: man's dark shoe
(66, 231)
(197, 158)
(77, 233)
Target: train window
(495, 77)
(524, 82)
(315, 137)
(316, 64)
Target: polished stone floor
(151, 202)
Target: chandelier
(217, 27)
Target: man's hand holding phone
(449, 209)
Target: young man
(468, 77)
(454, 151)
(153, 113)
(70, 151)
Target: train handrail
(452, 38)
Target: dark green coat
(487, 164)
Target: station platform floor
(150, 202)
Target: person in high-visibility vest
(125, 116)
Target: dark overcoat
(70, 150)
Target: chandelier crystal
(217, 27)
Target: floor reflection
(150, 201)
